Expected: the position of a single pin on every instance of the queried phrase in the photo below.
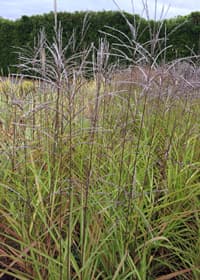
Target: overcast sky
(13, 9)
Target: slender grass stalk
(97, 66)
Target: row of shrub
(183, 32)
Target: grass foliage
(99, 178)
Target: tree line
(181, 34)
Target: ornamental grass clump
(100, 165)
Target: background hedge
(184, 32)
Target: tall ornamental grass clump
(100, 175)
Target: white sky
(13, 9)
